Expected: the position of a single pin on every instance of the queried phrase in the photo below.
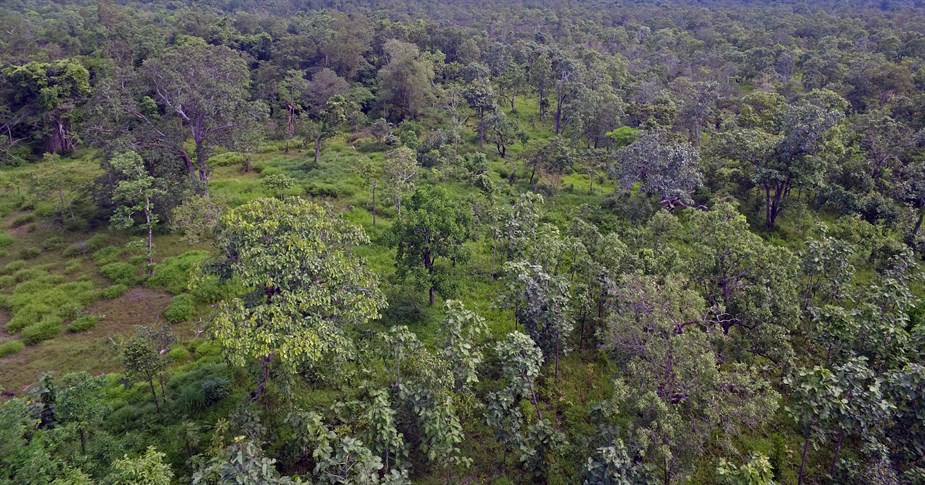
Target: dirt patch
(137, 306)
(94, 350)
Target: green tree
(481, 97)
(147, 469)
(335, 112)
(459, 340)
(42, 99)
(143, 359)
(401, 170)
(504, 131)
(405, 81)
(434, 228)
(303, 279)
(206, 90)
(665, 170)
(135, 194)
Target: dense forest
(356, 242)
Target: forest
(462, 242)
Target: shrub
(5, 239)
(85, 322)
(209, 290)
(28, 315)
(52, 243)
(109, 254)
(179, 309)
(226, 159)
(11, 347)
(114, 291)
(13, 266)
(73, 267)
(22, 220)
(45, 329)
(29, 253)
(122, 273)
(173, 274)
(7, 281)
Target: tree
(505, 130)
(135, 194)
(611, 465)
(291, 91)
(400, 167)
(541, 76)
(78, 404)
(405, 80)
(668, 171)
(541, 305)
(42, 99)
(241, 462)
(206, 90)
(671, 381)
(481, 97)
(434, 228)
(335, 112)
(458, 337)
(143, 358)
(147, 469)
(789, 156)
(304, 281)
(384, 439)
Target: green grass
(180, 308)
(11, 347)
(173, 274)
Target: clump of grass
(82, 323)
(13, 266)
(23, 219)
(173, 274)
(122, 273)
(82, 248)
(11, 347)
(7, 281)
(113, 292)
(29, 253)
(45, 329)
(47, 296)
(5, 239)
(73, 267)
(179, 309)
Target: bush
(13, 266)
(173, 274)
(28, 315)
(85, 322)
(226, 159)
(82, 248)
(11, 347)
(5, 239)
(179, 309)
(22, 220)
(73, 267)
(208, 290)
(201, 387)
(29, 253)
(122, 273)
(109, 254)
(7, 281)
(45, 329)
(53, 242)
(114, 291)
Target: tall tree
(205, 89)
(304, 281)
(433, 229)
(405, 80)
(135, 194)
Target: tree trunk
(841, 439)
(148, 214)
(317, 148)
(536, 403)
(803, 455)
(263, 378)
(83, 441)
(558, 114)
(157, 404)
(375, 184)
(918, 225)
(481, 128)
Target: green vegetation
(422, 242)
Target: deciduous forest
(410, 241)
